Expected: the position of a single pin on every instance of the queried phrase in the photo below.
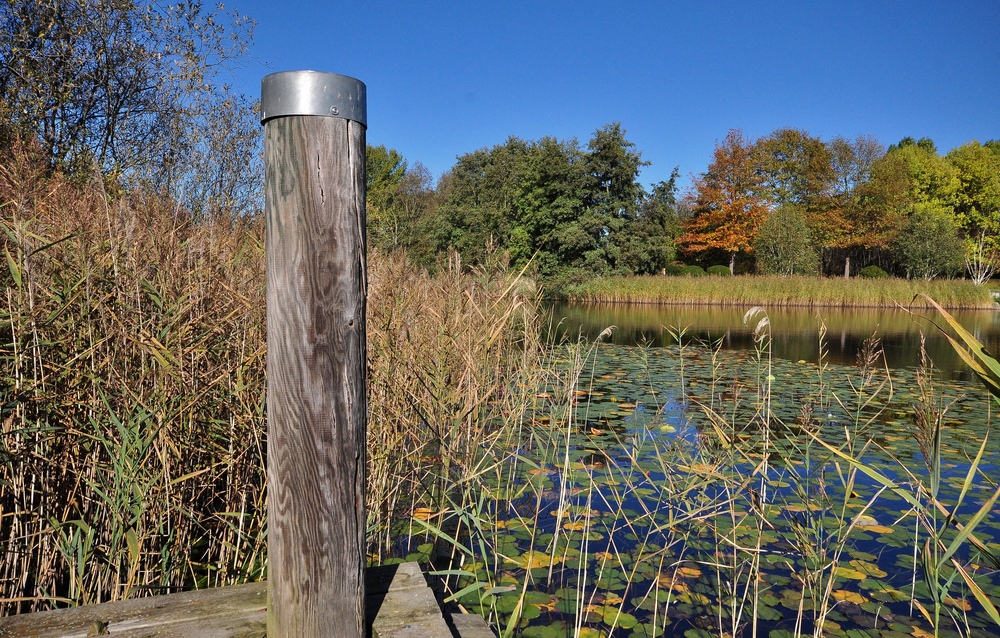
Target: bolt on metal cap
(313, 93)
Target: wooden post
(314, 158)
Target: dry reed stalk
(132, 351)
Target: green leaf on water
(615, 618)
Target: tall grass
(452, 361)
(132, 371)
(778, 291)
(132, 358)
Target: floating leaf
(846, 572)
(616, 618)
(533, 560)
(868, 569)
(848, 596)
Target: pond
(794, 331)
(738, 486)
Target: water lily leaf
(614, 617)
(848, 596)
(846, 572)
(533, 560)
(868, 569)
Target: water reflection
(795, 331)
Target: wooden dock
(399, 604)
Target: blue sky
(447, 78)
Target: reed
(132, 357)
(132, 365)
(778, 291)
(585, 524)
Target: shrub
(873, 272)
(674, 269)
(693, 271)
(783, 244)
(719, 270)
(929, 246)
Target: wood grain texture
(316, 402)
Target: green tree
(784, 244)
(646, 245)
(477, 200)
(795, 167)
(549, 222)
(929, 246)
(932, 178)
(977, 195)
(551, 201)
(415, 200)
(613, 197)
(384, 171)
(135, 87)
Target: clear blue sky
(447, 78)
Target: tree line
(570, 210)
(134, 92)
(786, 203)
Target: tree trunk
(847, 267)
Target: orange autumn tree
(727, 202)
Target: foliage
(557, 205)
(646, 244)
(932, 179)
(796, 167)
(727, 206)
(574, 212)
(872, 272)
(977, 196)
(881, 205)
(398, 196)
(384, 170)
(929, 246)
(784, 244)
(719, 270)
(693, 271)
(135, 90)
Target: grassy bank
(777, 291)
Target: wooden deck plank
(399, 604)
(222, 612)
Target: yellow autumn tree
(727, 202)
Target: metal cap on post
(313, 93)
(314, 193)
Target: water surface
(794, 331)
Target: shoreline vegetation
(779, 291)
(133, 448)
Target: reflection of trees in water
(795, 332)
